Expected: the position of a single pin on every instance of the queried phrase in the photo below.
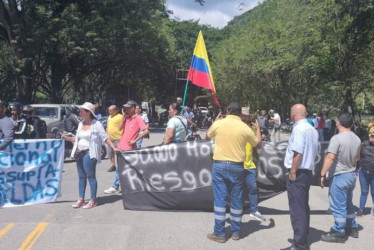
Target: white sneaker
(372, 211)
(111, 190)
(257, 216)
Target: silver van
(52, 114)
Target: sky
(216, 13)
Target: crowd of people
(233, 164)
(22, 122)
(233, 168)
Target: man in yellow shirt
(113, 123)
(231, 136)
(250, 171)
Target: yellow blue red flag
(200, 72)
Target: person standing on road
(176, 129)
(87, 152)
(250, 171)
(228, 173)
(341, 160)
(263, 120)
(321, 127)
(131, 124)
(114, 122)
(19, 120)
(275, 122)
(6, 126)
(299, 160)
(366, 173)
(143, 115)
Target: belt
(229, 162)
(300, 170)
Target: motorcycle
(56, 134)
(192, 135)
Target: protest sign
(30, 172)
(178, 176)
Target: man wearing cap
(340, 164)
(131, 124)
(6, 127)
(228, 172)
(250, 171)
(299, 160)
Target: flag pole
(184, 96)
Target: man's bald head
(112, 110)
(298, 112)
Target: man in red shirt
(132, 124)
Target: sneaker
(90, 204)
(79, 203)
(257, 216)
(372, 211)
(111, 190)
(333, 237)
(235, 237)
(352, 232)
(112, 169)
(215, 238)
(360, 213)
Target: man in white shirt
(299, 160)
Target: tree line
(281, 52)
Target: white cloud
(216, 13)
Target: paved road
(108, 226)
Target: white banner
(31, 172)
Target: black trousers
(298, 200)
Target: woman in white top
(87, 152)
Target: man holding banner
(228, 173)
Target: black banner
(178, 176)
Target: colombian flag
(200, 72)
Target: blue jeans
(321, 136)
(116, 179)
(366, 180)
(251, 183)
(227, 178)
(87, 170)
(139, 143)
(340, 198)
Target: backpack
(43, 128)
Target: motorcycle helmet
(16, 105)
(74, 109)
(28, 109)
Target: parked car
(52, 114)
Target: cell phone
(68, 134)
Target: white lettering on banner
(155, 181)
(194, 150)
(30, 172)
(173, 177)
(170, 181)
